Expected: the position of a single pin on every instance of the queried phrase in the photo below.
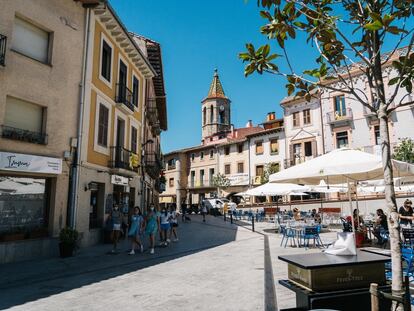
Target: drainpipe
(322, 125)
(76, 168)
(250, 175)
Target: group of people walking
(140, 225)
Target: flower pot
(66, 250)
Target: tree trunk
(393, 223)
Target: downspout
(144, 123)
(250, 175)
(322, 125)
(76, 167)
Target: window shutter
(314, 148)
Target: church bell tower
(215, 111)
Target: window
(204, 116)
(227, 150)
(296, 119)
(240, 148)
(211, 175)
(192, 157)
(259, 170)
(274, 146)
(106, 61)
(135, 91)
(103, 125)
(192, 179)
(211, 154)
(211, 115)
(308, 148)
(227, 169)
(240, 167)
(202, 155)
(222, 116)
(201, 177)
(340, 109)
(171, 182)
(134, 139)
(306, 116)
(259, 147)
(31, 41)
(377, 135)
(171, 163)
(297, 150)
(342, 139)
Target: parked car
(216, 206)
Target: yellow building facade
(117, 74)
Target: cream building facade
(41, 55)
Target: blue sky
(195, 39)
(198, 36)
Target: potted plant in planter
(68, 241)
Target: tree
(404, 151)
(348, 36)
(220, 181)
(270, 169)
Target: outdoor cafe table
(322, 280)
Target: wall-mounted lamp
(93, 186)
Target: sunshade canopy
(339, 165)
(276, 189)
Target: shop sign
(29, 163)
(119, 180)
(238, 179)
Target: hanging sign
(29, 163)
(119, 180)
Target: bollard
(373, 289)
(253, 223)
(231, 218)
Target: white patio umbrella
(339, 166)
(276, 189)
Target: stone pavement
(214, 266)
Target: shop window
(24, 207)
(240, 148)
(306, 116)
(259, 147)
(103, 122)
(227, 150)
(240, 167)
(296, 119)
(227, 169)
(31, 40)
(274, 146)
(342, 139)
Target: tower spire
(216, 89)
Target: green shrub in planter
(68, 241)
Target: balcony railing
(201, 183)
(3, 42)
(124, 96)
(153, 164)
(23, 135)
(340, 116)
(296, 160)
(123, 159)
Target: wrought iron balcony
(340, 116)
(296, 160)
(122, 158)
(152, 113)
(3, 42)
(153, 164)
(23, 135)
(201, 183)
(124, 96)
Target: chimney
(249, 123)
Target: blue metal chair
(289, 233)
(311, 233)
(408, 257)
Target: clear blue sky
(198, 36)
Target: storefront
(27, 187)
(123, 194)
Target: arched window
(204, 116)
(222, 117)
(211, 115)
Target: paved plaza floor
(214, 266)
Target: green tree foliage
(404, 151)
(269, 169)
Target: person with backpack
(135, 230)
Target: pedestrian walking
(183, 211)
(203, 210)
(152, 227)
(135, 230)
(165, 218)
(173, 224)
(115, 217)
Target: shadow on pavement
(32, 280)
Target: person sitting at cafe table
(358, 220)
(316, 216)
(296, 215)
(380, 226)
(406, 213)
